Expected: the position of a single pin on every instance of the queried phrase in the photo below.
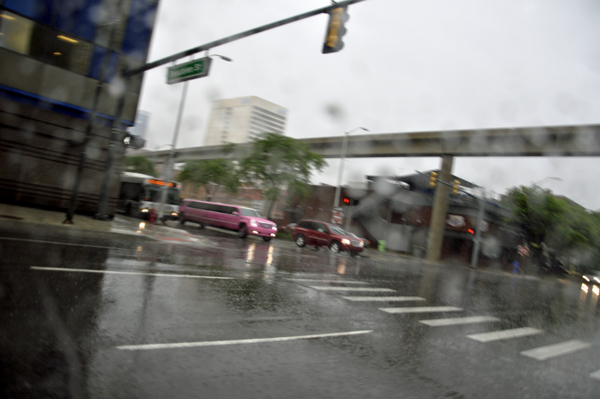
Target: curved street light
(336, 200)
(545, 179)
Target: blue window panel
(76, 17)
(38, 10)
(96, 65)
(139, 29)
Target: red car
(319, 234)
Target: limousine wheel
(243, 231)
(267, 239)
(334, 247)
(300, 240)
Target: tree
(212, 174)
(140, 164)
(278, 162)
(564, 227)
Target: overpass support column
(438, 213)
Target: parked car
(320, 234)
(243, 220)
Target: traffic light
(433, 179)
(335, 30)
(133, 141)
(455, 187)
(350, 201)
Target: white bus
(140, 193)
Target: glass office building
(52, 55)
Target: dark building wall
(52, 55)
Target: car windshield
(337, 230)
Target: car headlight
(597, 279)
(346, 241)
(144, 210)
(274, 227)
(253, 223)
(585, 278)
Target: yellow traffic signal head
(456, 187)
(433, 179)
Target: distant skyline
(405, 67)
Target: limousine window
(251, 213)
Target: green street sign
(190, 70)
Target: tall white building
(243, 119)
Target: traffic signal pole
(438, 214)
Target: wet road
(101, 315)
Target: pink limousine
(243, 220)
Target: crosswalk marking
(550, 351)
(383, 298)
(505, 334)
(357, 289)
(314, 280)
(422, 309)
(595, 374)
(459, 320)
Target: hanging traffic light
(350, 201)
(346, 200)
(433, 179)
(456, 187)
(335, 30)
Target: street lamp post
(170, 162)
(338, 187)
(537, 184)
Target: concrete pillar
(438, 213)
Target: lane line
(595, 374)
(357, 289)
(505, 334)
(56, 243)
(314, 280)
(422, 309)
(458, 321)
(550, 351)
(238, 341)
(383, 298)
(61, 269)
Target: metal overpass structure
(578, 141)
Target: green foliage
(278, 162)
(211, 174)
(566, 228)
(140, 164)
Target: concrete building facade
(243, 119)
(53, 54)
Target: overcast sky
(406, 66)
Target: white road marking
(422, 309)
(458, 320)
(550, 351)
(238, 341)
(595, 374)
(56, 243)
(383, 298)
(505, 334)
(357, 289)
(61, 269)
(314, 280)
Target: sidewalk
(119, 225)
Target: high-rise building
(243, 119)
(53, 55)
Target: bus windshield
(153, 192)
